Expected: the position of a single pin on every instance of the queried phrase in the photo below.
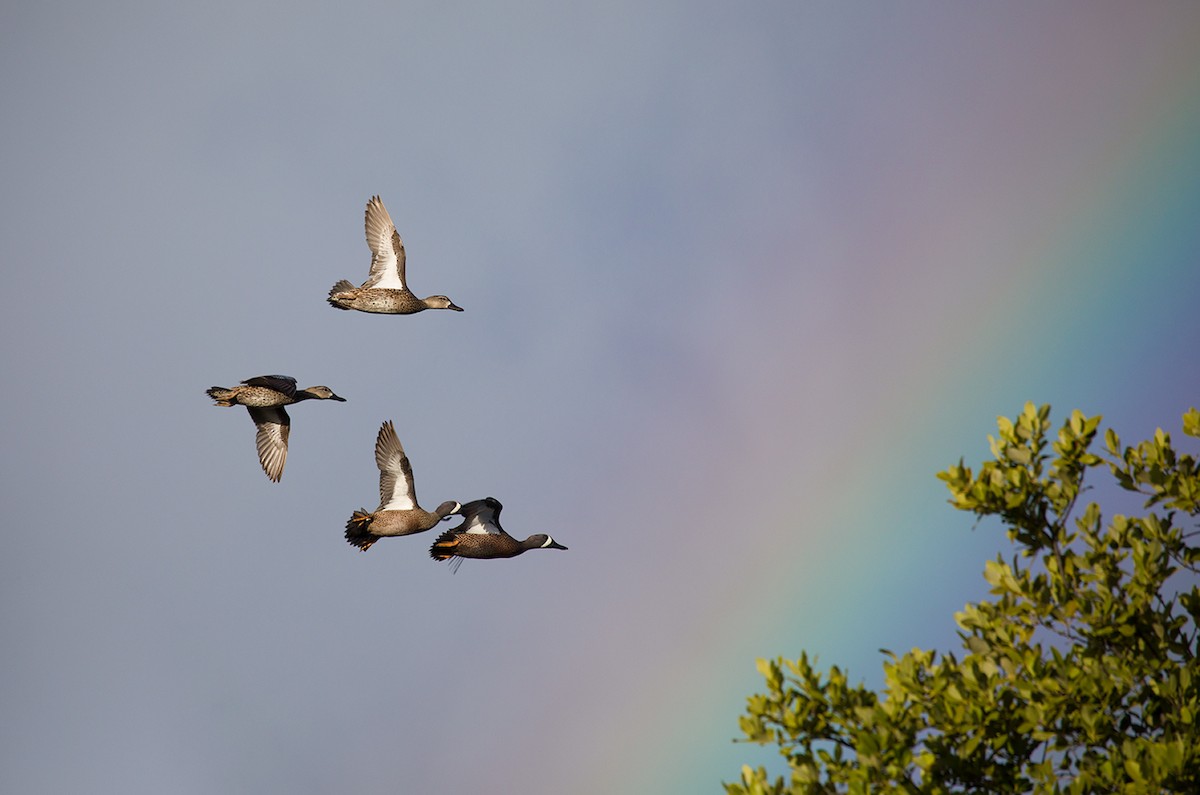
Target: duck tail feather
(358, 531)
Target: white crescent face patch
(549, 541)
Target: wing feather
(481, 517)
(273, 425)
(280, 383)
(387, 249)
(396, 489)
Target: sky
(738, 280)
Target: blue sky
(738, 281)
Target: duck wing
(387, 249)
(396, 489)
(280, 383)
(481, 517)
(273, 426)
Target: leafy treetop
(1078, 676)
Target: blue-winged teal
(385, 291)
(481, 536)
(264, 397)
(398, 513)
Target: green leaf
(1078, 671)
(1191, 422)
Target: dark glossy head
(541, 541)
(448, 509)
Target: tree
(1078, 676)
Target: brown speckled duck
(385, 291)
(398, 513)
(265, 397)
(481, 536)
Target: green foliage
(1078, 676)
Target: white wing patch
(396, 489)
(384, 274)
(386, 248)
(399, 502)
(476, 525)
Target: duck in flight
(264, 397)
(481, 536)
(398, 513)
(386, 289)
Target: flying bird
(398, 513)
(386, 290)
(481, 536)
(265, 397)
